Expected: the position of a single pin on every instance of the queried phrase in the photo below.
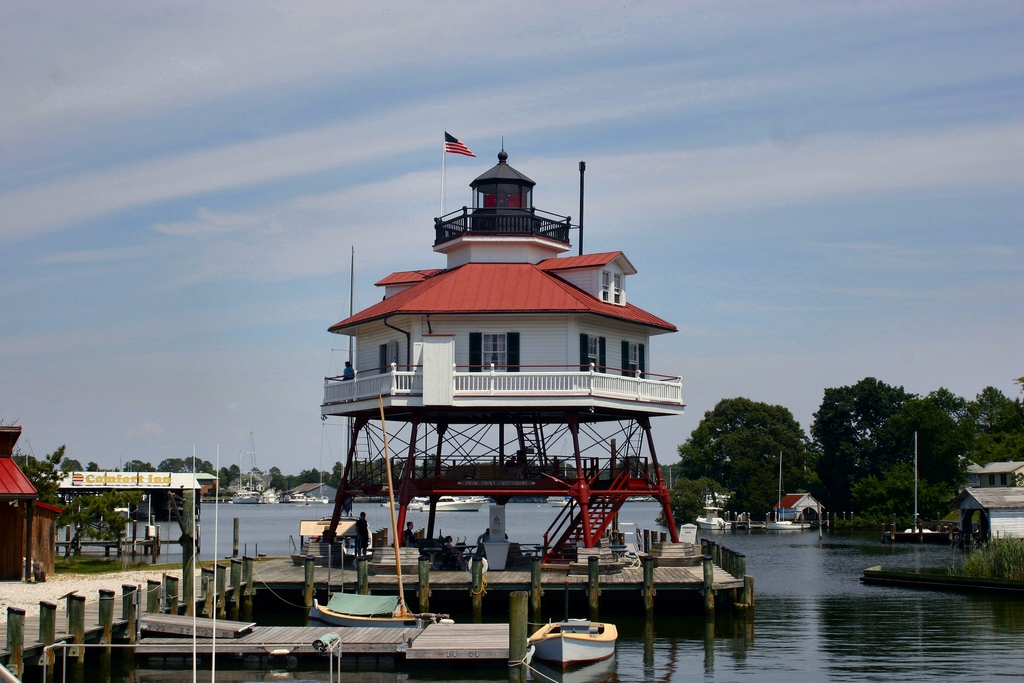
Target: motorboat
(419, 504)
(460, 503)
(558, 501)
(303, 499)
(712, 520)
(574, 641)
(352, 609)
(245, 496)
(269, 497)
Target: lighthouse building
(516, 370)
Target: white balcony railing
(509, 385)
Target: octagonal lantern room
(502, 187)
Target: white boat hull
(574, 648)
(786, 526)
(713, 524)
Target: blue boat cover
(363, 605)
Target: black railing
(507, 222)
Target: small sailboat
(779, 524)
(574, 641)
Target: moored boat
(711, 520)
(574, 641)
(350, 609)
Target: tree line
(858, 456)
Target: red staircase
(568, 525)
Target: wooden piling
(188, 560)
(649, 592)
(106, 623)
(535, 589)
(423, 594)
(16, 640)
(209, 590)
(518, 633)
(748, 591)
(593, 586)
(222, 587)
(477, 591)
(171, 593)
(308, 581)
(709, 586)
(152, 596)
(249, 591)
(47, 634)
(363, 575)
(234, 537)
(76, 626)
(128, 600)
(647, 540)
(235, 604)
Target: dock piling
(128, 599)
(236, 588)
(250, 588)
(152, 596)
(188, 560)
(47, 633)
(517, 636)
(593, 586)
(16, 640)
(76, 626)
(307, 581)
(208, 591)
(106, 623)
(363, 575)
(709, 586)
(222, 586)
(234, 537)
(535, 590)
(649, 592)
(748, 591)
(477, 591)
(423, 595)
(171, 593)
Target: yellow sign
(120, 479)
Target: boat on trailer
(574, 641)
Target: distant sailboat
(783, 524)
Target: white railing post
(394, 378)
(491, 381)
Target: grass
(1001, 558)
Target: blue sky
(812, 192)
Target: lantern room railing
(502, 221)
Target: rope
(537, 673)
(257, 576)
(483, 587)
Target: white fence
(509, 385)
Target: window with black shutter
(475, 351)
(512, 351)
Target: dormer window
(618, 289)
(606, 278)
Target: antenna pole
(583, 169)
(915, 482)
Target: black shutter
(602, 359)
(512, 351)
(640, 359)
(584, 352)
(625, 358)
(382, 358)
(476, 345)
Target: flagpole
(443, 155)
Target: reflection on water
(813, 621)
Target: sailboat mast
(915, 482)
(391, 507)
(778, 510)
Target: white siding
(541, 337)
(615, 333)
(1007, 523)
(587, 279)
(370, 336)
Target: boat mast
(778, 510)
(915, 482)
(391, 507)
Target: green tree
(738, 444)
(92, 467)
(998, 426)
(688, 498)
(277, 480)
(878, 498)
(99, 516)
(46, 475)
(138, 466)
(855, 437)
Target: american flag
(453, 146)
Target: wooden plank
(180, 625)
(467, 642)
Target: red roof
(585, 261)
(790, 500)
(407, 277)
(498, 288)
(13, 482)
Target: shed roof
(407, 277)
(794, 501)
(587, 261)
(14, 485)
(990, 498)
(996, 468)
(498, 288)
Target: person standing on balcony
(348, 372)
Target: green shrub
(1001, 558)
